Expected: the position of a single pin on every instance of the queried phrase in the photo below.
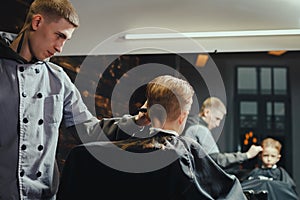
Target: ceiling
(104, 24)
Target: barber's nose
(58, 48)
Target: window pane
(248, 108)
(279, 108)
(269, 115)
(247, 83)
(276, 116)
(269, 109)
(280, 81)
(279, 112)
(265, 79)
(248, 114)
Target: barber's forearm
(226, 159)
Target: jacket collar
(6, 52)
(201, 121)
(153, 131)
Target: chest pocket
(53, 111)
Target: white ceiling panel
(104, 23)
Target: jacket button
(40, 122)
(37, 71)
(39, 95)
(21, 69)
(40, 147)
(25, 120)
(38, 174)
(22, 173)
(23, 147)
(24, 94)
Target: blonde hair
(270, 142)
(171, 93)
(213, 103)
(53, 10)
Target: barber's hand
(142, 118)
(253, 151)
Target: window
(262, 108)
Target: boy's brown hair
(174, 95)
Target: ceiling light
(277, 53)
(201, 60)
(179, 35)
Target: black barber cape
(163, 166)
(276, 181)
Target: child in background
(269, 175)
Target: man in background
(199, 128)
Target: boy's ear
(278, 158)
(182, 117)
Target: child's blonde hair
(270, 142)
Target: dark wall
(13, 14)
(227, 62)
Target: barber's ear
(36, 21)
(206, 112)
